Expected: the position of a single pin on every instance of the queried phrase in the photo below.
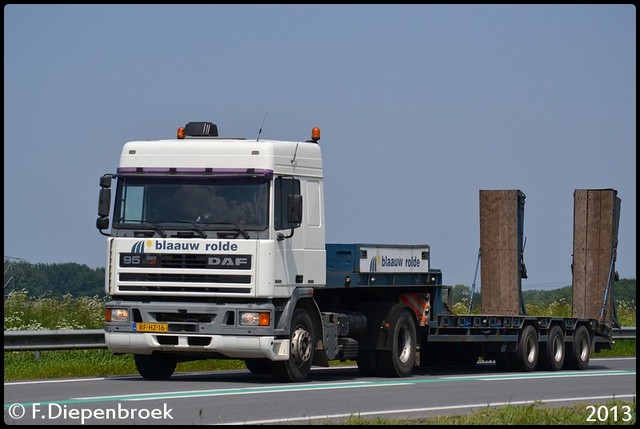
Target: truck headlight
(255, 318)
(117, 315)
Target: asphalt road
(333, 394)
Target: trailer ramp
(501, 251)
(595, 241)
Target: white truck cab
(207, 231)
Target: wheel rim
(557, 350)
(404, 344)
(584, 349)
(531, 350)
(301, 345)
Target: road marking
(321, 386)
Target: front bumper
(235, 347)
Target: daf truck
(216, 250)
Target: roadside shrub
(24, 313)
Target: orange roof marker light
(181, 132)
(315, 135)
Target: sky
(420, 107)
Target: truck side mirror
(102, 223)
(104, 203)
(105, 181)
(294, 214)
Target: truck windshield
(240, 204)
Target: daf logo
(234, 262)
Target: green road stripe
(322, 386)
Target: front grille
(183, 261)
(186, 261)
(185, 274)
(189, 289)
(184, 278)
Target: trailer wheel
(298, 366)
(155, 366)
(526, 357)
(552, 352)
(258, 366)
(399, 361)
(578, 353)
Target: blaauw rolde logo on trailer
(394, 260)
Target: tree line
(623, 290)
(54, 280)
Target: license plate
(151, 327)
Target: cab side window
(284, 187)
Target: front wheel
(155, 366)
(298, 366)
(258, 366)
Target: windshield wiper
(236, 227)
(199, 230)
(157, 228)
(195, 227)
(163, 234)
(242, 232)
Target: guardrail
(80, 339)
(20, 341)
(624, 333)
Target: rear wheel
(155, 366)
(298, 366)
(526, 357)
(552, 352)
(579, 352)
(399, 361)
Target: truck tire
(155, 366)
(258, 366)
(525, 358)
(303, 339)
(579, 351)
(399, 361)
(552, 352)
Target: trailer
(217, 251)
(503, 332)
